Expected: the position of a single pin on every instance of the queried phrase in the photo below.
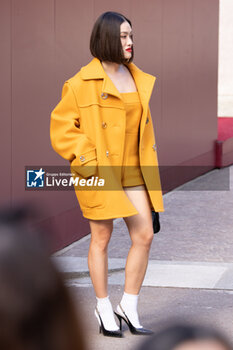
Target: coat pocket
(92, 194)
(90, 199)
(85, 164)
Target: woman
(103, 126)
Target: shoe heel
(133, 329)
(120, 320)
(106, 332)
(120, 324)
(97, 316)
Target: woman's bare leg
(141, 233)
(101, 231)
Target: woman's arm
(66, 137)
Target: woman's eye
(123, 36)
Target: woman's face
(126, 39)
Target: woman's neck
(111, 67)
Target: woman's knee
(100, 235)
(144, 237)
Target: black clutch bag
(155, 220)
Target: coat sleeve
(67, 139)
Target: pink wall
(44, 43)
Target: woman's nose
(130, 41)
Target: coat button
(154, 147)
(104, 95)
(82, 158)
(147, 121)
(107, 153)
(104, 125)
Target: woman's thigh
(142, 222)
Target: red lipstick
(129, 50)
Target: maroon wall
(45, 42)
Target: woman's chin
(128, 55)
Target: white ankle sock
(105, 310)
(129, 305)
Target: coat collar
(143, 81)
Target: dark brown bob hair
(105, 42)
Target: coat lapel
(145, 83)
(109, 87)
(94, 70)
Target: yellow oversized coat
(88, 129)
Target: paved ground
(190, 273)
